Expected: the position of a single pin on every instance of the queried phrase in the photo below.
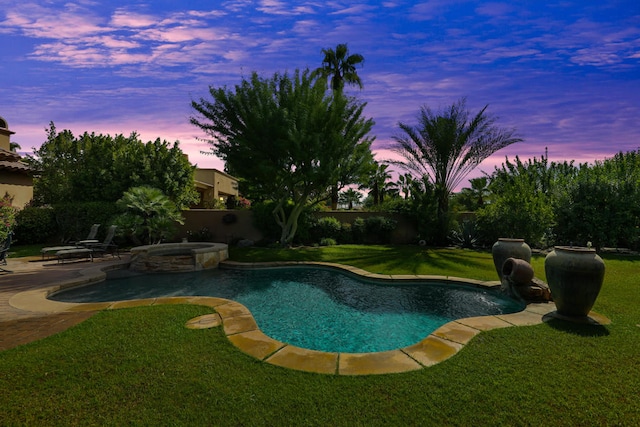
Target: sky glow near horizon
(566, 76)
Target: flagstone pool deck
(27, 315)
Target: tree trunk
(289, 225)
(443, 216)
(334, 197)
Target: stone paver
(23, 331)
(206, 321)
(20, 326)
(256, 343)
(385, 362)
(302, 359)
(432, 350)
(456, 332)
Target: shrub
(601, 209)
(358, 230)
(465, 235)
(326, 227)
(346, 234)
(35, 225)
(149, 216)
(379, 229)
(7, 216)
(526, 215)
(75, 219)
(202, 235)
(327, 241)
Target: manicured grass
(19, 251)
(390, 259)
(141, 366)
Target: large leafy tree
(339, 68)
(446, 146)
(286, 138)
(94, 167)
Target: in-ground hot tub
(178, 257)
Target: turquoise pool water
(316, 308)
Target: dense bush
(74, 220)
(326, 227)
(148, 216)
(7, 216)
(421, 207)
(521, 212)
(379, 229)
(559, 203)
(346, 233)
(602, 205)
(328, 241)
(358, 230)
(35, 225)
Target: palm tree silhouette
(446, 146)
(340, 67)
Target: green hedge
(62, 223)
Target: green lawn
(141, 366)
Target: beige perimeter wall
(242, 228)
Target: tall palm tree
(404, 184)
(379, 183)
(446, 146)
(340, 67)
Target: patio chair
(91, 237)
(4, 250)
(53, 250)
(107, 246)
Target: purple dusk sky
(565, 74)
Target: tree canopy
(286, 139)
(101, 168)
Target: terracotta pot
(509, 248)
(575, 276)
(518, 271)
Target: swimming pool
(316, 308)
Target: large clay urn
(575, 276)
(509, 248)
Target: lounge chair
(76, 252)
(4, 250)
(107, 246)
(91, 237)
(53, 250)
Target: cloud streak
(566, 75)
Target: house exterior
(15, 176)
(215, 188)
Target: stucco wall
(19, 186)
(223, 232)
(242, 228)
